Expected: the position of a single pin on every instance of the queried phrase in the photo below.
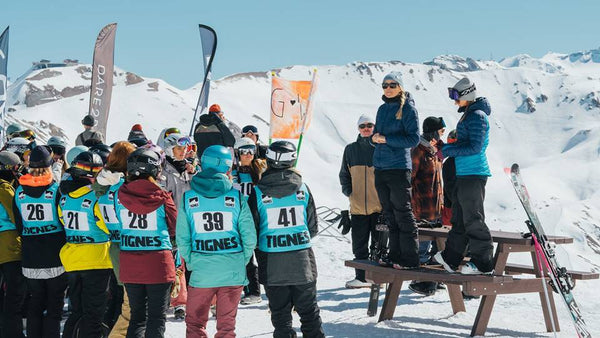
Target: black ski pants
(363, 227)
(149, 304)
(115, 301)
(45, 309)
(88, 292)
(394, 191)
(304, 299)
(468, 226)
(14, 296)
(253, 287)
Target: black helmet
(86, 164)
(281, 155)
(102, 150)
(143, 161)
(88, 120)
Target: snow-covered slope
(546, 116)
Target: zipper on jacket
(366, 193)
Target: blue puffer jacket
(473, 133)
(216, 270)
(400, 135)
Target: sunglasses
(392, 85)
(171, 131)
(366, 125)
(246, 151)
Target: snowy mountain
(545, 116)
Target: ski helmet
(9, 161)
(143, 161)
(86, 164)
(281, 155)
(164, 133)
(58, 145)
(13, 128)
(18, 145)
(158, 150)
(244, 145)
(216, 159)
(102, 150)
(174, 140)
(73, 152)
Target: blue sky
(160, 38)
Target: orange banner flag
(291, 110)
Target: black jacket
(292, 267)
(449, 179)
(212, 130)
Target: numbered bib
(37, 212)
(285, 217)
(76, 220)
(108, 212)
(213, 221)
(135, 221)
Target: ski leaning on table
(561, 280)
(379, 250)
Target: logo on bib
(63, 200)
(49, 195)
(21, 195)
(193, 202)
(111, 195)
(229, 201)
(266, 199)
(300, 196)
(86, 203)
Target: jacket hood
(280, 183)
(209, 119)
(481, 103)
(425, 144)
(142, 196)
(107, 177)
(211, 185)
(68, 186)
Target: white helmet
(244, 142)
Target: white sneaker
(357, 284)
(438, 258)
(470, 269)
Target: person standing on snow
(13, 288)
(246, 175)
(427, 193)
(212, 130)
(357, 177)
(284, 213)
(88, 134)
(396, 132)
(216, 237)
(147, 215)
(85, 255)
(472, 171)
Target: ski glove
(345, 223)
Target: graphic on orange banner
(289, 104)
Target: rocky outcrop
(528, 106)
(35, 96)
(153, 86)
(44, 74)
(131, 79)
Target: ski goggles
(455, 94)
(171, 131)
(250, 129)
(247, 151)
(366, 125)
(185, 141)
(28, 134)
(392, 85)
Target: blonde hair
(36, 172)
(402, 101)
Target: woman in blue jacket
(396, 132)
(472, 171)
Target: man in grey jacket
(89, 137)
(283, 209)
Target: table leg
(547, 311)
(487, 302)
(391, 300)
(456, 298)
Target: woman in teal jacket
(216, 237)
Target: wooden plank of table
(391, 300)
(497, 236)
(456, 298)
(549, 312)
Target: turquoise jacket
(216, 270)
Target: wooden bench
(502, 282)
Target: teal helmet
(216, 159)
(73, 152)
(13, 128)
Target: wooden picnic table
(487, 286)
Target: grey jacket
(174, 182)
(292, 267)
